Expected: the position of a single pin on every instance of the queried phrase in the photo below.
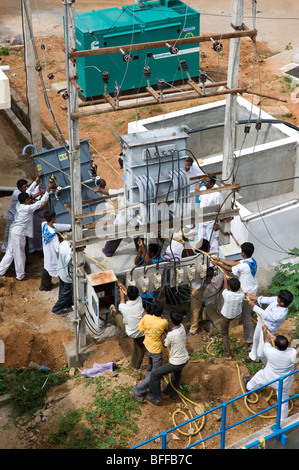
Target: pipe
(27, 147)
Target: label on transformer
(181, 52)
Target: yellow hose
(185, 401)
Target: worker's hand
(213, 261)
(251, 303)
(51, 186)
(95, 190)
(122, 287)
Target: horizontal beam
(187, 96)
(93, 238)
(252, 33)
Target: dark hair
(248, 249)
(154, 249)
(205, 246)
(189, 159)
(212, 178)
(121, 161)
(234, 284)
(286, 297)
(22, 197)
(176, 317)
(132, 292)
(281, 342)
(49, 215)
(210, 272)
(102, 183)
(157, 308)
(21, 183)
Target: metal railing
(279, 432)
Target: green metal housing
(160, 20)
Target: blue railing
(278, 431)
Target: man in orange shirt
(154, 328)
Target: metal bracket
(281, 437)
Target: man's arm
(226, 262)
(141, 252)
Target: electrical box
(154, 170)
(143, 22)
(55, 162)
(230, 252)
(100, 294)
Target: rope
(105, 160)
(190, 416)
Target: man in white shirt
(131, 313)
(64, 271)
(20, 228)
(232, 307)
(245, 271)
(273, 317)
(280, 362)
(207, 230)
(193, 170)
(50, 248)
(178, 357)
(22, 187)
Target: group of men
(29, 219)
(150, 332)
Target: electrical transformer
(142, 22)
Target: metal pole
(75, 173)
(231, 114)
(31, 80)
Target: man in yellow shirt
(154, 328)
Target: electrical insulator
(105, 77)
(184, 65)
(191, 273)
(247, 128)
(97, 181)
(117, 91)
(52, 179)
(147, 71)
(50, 76)
(157, 281)
(203, 77)
(58, 192)
(161, 84)
(131, 282)
(202, 269)
(258, 125)
(126, 56)
(217, 46)
(93, 170)
(144, 283)
(179, 275)
(172, 49)
(65, 95)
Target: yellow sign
(62, 156)
(189, 35)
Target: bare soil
(31, 333)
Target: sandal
(228, 358)
(246, 359)
(112, 310)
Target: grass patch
(27, 388)
(107, 423)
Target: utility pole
(75, 173)
(30, 67)
(230, 116)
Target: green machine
(142, 22)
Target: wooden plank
(128, 48)
(187, 96)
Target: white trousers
(15, 252)
(257, 351)
(260, 379)
(9, 220)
